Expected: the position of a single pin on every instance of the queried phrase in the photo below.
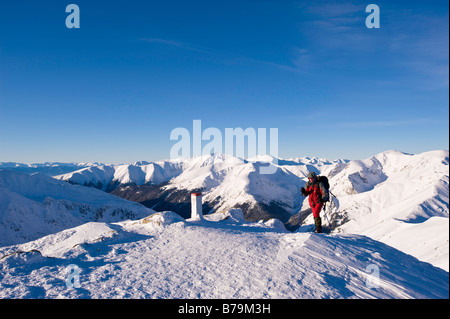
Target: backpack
(325, 183)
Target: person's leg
(317, 220)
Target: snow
(226, 179)
(32, 206)
(165, 256)
(231, 182)
(402, 208)
(393, 217)
(49, 168)
(138, 173)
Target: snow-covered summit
(165, 256)
(225, 180)
(48, 168)
(144, 172)
(32, 206)
(398, 198)
(393, 217)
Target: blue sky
(113, 90)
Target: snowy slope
(143, 172)
(225, 181)
(164, 256)
(32, 206)
(48, 168)
(229, 182)
(399, 199)
(108, 177)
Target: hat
(312, 175)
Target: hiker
(318, 195)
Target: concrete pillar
(196, 206)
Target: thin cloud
(292, 69)
(226, 56)
(328, 10)
(381, 124)
(179, 44)
(415, 45)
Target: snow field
(393, 206)
(166, 257)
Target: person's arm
(324, 192)
(306, 190)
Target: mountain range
(225, 181)
(33, 206)
(394, 199)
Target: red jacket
(316, 191)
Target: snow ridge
(393, 218)
(165, 256)
(32, 206)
